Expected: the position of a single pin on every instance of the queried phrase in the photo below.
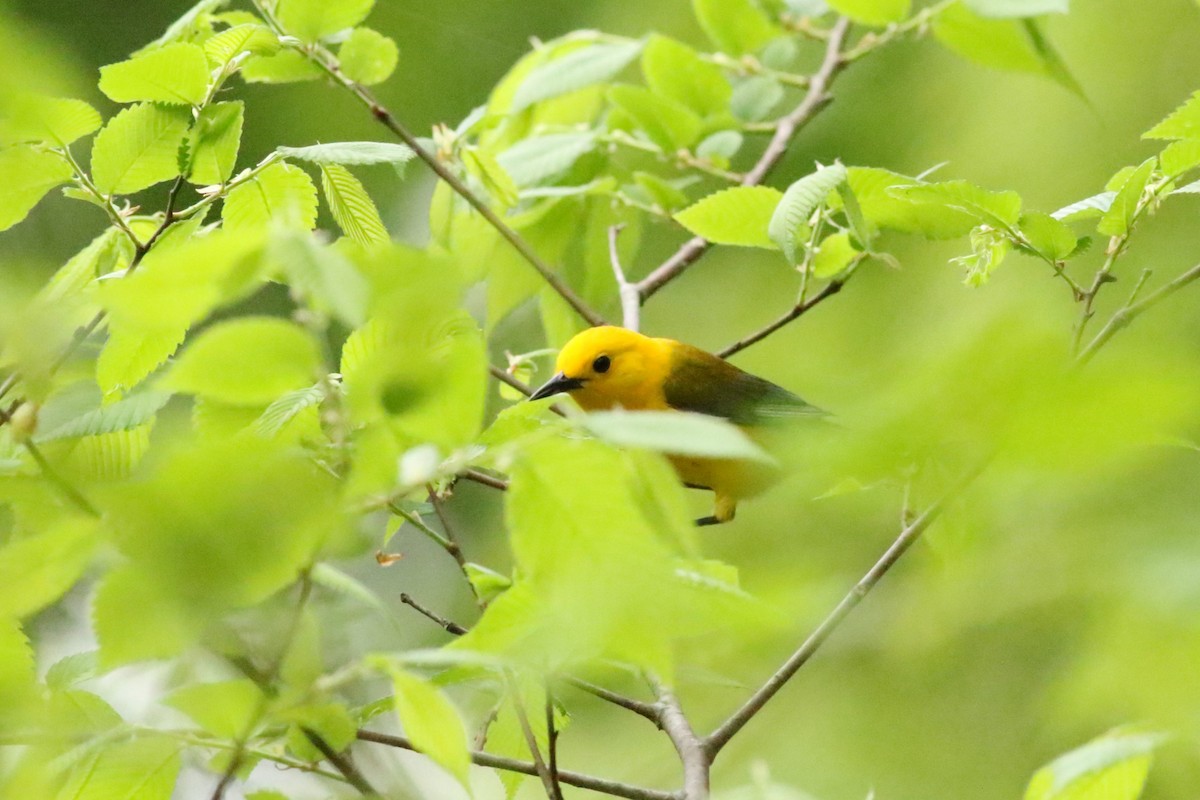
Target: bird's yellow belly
(731, 478)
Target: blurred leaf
(28, 175)
(120, 416)
(284, 410)
(350, 153)
(315, 19)
(834, 254)
(432, 723)
(70, 670)
(577, 69)
(540, 160)
(996, 43)
(1087, 208)
(164, 626)
(186, 24)
(249, 360)
(487, 583)
(368, 56)
(720, 146)
(248, 38)
(798, 203)
(1018, 8)
(735, 26)
(873, 188)
(138, 148)
(226, 709)
(214, 141)
(142, 769)
(285, 66)
(324, 277)
(37, 570)
(738, 216)
(1050, 237)
(1179, 157)
(51, 120)
(175, 73)
(755, 97)
(1120, 215)
(676, 71)
(998, 209)
(873, 12)
(130, 355)
(1182, 123)
(279, 195)
(110, 456)
(1113, 767)
(988, 249)
(351, 206)
(677, 432)
(670, 125)
(494, 177)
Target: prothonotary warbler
(608, 367)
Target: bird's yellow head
(606, 367)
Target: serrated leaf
(110, 456)
(214, 141)
(1094, 206)
(675, 432)
(284, 410)
(1182, 123)
(351, 206)
(130, 355)
(1118, 218)
(873, 188)
(282, 194)
(755, 97)
(351, 153)
(51, 120)
(142, 769)
(996, 43)
(123, 415)
(247, 38)
(315, 19)
(797, 205)
(186, 24)
(872, 12)
(106, 253)
(998, 209)
(670, 125)
(29, 175)
(37, 570)
(226, 709)
(676, 71)
(540, 160)
(735, 26)
(175, 73)
(1179, 157)
(285, 66)
(1049, 236)
(1112, 767)
(368, 56)
(432, 723)
(246, 361)
(738, 216)
(577, 69)
(325, 277)
(139, 148)
(70, 670)
(1005, 9)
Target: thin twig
(327, 62)
(602, 785)
(1132, 311)
(483, 479)
(342, 763)
(815, 98)
(690, 747)
(827, 291)
(736, 721)
(509, 380)
(447, 625)
(631, 298)
(549, 783)
(454, 548)
(552, 742)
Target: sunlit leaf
(797, 205)
(281, 194)
(176, 73)
(577, 69)
(873, 12)
(213, 142)
(53, 120)
(139, 147)
(368, 56)
(674, 432)
(432, 723)
(738, 216)
(28, 175)
(315, 19)
(351, 206)
(735, 26)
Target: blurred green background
(1061, 596)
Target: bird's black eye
(602, 364)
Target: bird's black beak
(557, 385)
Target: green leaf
(1119, 217)
(188, 24)
(246, 361)
(225, 709)
(670, 125)
(432, 723)
(1112, 767)
(1003, 9)
(540, 160)
(214, 141)
(720, 146)
(350, 153)
(1179, 157)
(488, 583)
(142, 769)
(484, 166)
(315, 19)
(28, 175)
(176, 73)
(735, 26)
(1087, 208)
(988, 249)
(368, 57)
(323, 276)
(998, 209)
(1000, 44)
(577, 69)
(286, 66)
(281, 194)
(39, 569)
(164, 628)
(873, 188)
(872, 12)
(351, 206)
(124, 415)
(675, 432)
(110, 456)
(738, 216)
(834, 254)
(754, 98)
(248, 38)
(284, 410)
(1050, 237)
(676, 71)
(1182, 123)
(798, 203)
(139, 147)
(50, 120)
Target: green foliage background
(1057, 599)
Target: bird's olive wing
(703, 383)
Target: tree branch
(736, 721)
(484, 479)
(342, 763)
(815, 98)
(449, 626)
(631, 298)
(549, 782)
(690, 747)
(1132, 311)
(602, 785)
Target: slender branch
(1133, 310)
(504, 378)
(827, 291)
(552, 742)
(454, 548)
(548, 781)
(690, 747)
(602, 785)
(327, 62)
(631, 299)
(448, 625)
(736, 721)
(342, 763)
(483, 479)
(815, 98)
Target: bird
(608, 367)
